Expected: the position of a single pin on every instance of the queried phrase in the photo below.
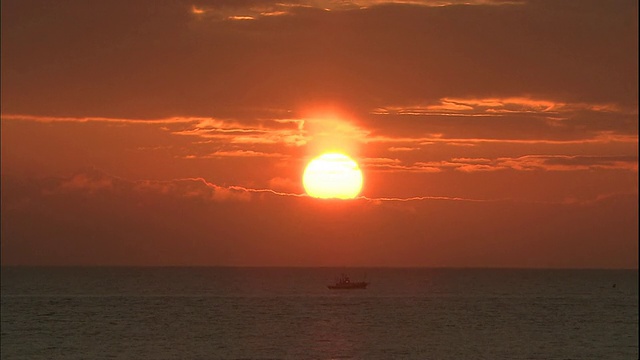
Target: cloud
(511, 120)
(602, 137)
(284, 185)
(401, 148)
(243, 153)
(471, 160)
(331, 131)
(195, 188)
(395, 165)
(310, 56)
(168, 223)
(254, 10)
(522, 163)
(569, 163)
(86, 182)
(479, 107)
(69, 119)
(483, 107)
(91, 181)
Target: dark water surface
(288, 313)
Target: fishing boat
(344, 283)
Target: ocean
(289, 313)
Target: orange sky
(490, 133)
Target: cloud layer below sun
(92, 218)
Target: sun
(332, 175)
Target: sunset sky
(489, 133)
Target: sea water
(288, 313)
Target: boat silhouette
(344, 283)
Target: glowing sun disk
(332, 175)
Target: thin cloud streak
(568, 201)
(267, 9)
(96, 181)
(270, 191)
(602, 137)
(299, 132)
(422, 198)
(496, 106)
(68, 119)
(368, 199)
(240, 153)
(521, 163)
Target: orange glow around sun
(332, 175)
